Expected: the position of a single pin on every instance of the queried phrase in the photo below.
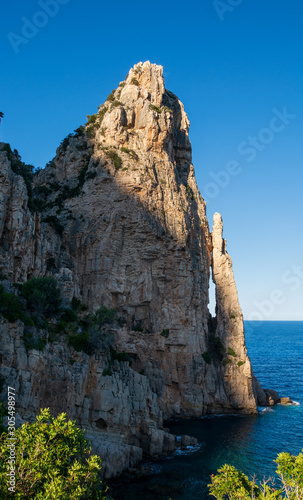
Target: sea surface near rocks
(249, 443)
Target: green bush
(240, 363)
(80, 342)
(42, 295)
(206, 357)
(155, 108)
(51, 264)
(130, 152)
(111, 97)
(90, 131)
(115, 104)
(53, 221)
(165, 333)
(10, 305)
(12, 308)
(33, 341)
(137, 328)
(134, 81)
(82, 175)
(226, 361)
(52, 462)
(232, 316)
(79, 132)
(42, 190)
(112, 155)
(119, 356)
(61, 327)
(69, 315)
(231, 484)
(104, 316)
(231, 352)
(93, 334)
(77, 305)
(169, 110)
(91, 119)
(65, 142)
(216, 348)
(101, 113)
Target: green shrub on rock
(42, 295)
(12, 308)
(231, 352)
(33, 341)
(226, 361)
(52, 462)
(134, 81)
(155, 108)
(165, 333)
(53, 221)
(206, 357)
(216, 347)
(112, 155)
(80, 342)
(69, 315)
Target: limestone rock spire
(226, 292)
(237, 372)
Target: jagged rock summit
(117, 218)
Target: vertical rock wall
(122, 224)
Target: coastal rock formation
(117, 218)
(229, 323)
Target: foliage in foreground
(52, 462)
(231, 484)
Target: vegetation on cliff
(52, 460)
(37, 303)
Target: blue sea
(249, 443)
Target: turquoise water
(249, 443)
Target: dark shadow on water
(187, 476)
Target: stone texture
(134, 238)
(239, 381)
(119, 412)
(188, 441)
(285, 401)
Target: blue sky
(236, 65)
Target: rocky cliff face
(118, 219)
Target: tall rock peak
(229, 322)
(117, 218)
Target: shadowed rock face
(133, 236)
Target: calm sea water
(249, 443)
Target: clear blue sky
(230, 73)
